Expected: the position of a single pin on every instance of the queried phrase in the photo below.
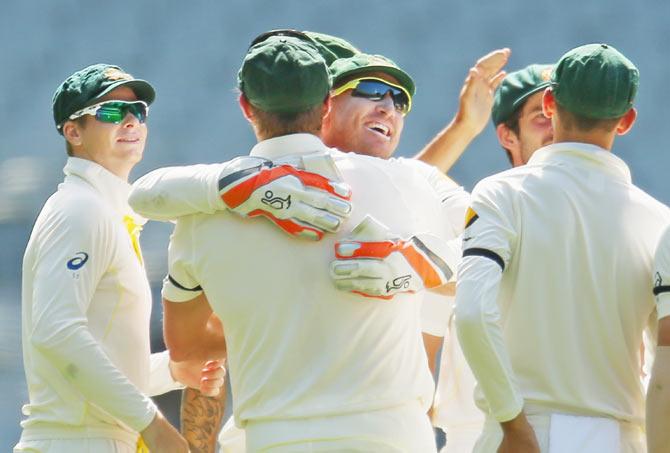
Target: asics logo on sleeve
(78, 261)
(276, 202)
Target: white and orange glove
(374, 263)
(300, 202)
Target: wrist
(518, 423)
(467, 128)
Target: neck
(596, 137)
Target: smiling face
(360, 125)
(116, 147)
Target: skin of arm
(201, 419)
(192, 331)
(474, 111)
(658, 394)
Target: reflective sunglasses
(375, 89)
(114, 111)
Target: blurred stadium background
(191, 51)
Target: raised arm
(474, 111)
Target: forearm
(448, 145)
(658, 402)
(172, 192)
(82, 362)
(201, 418)
(481, 338)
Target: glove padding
(301, 203)
(374, 263)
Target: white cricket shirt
(86, 305)
(298, 347)
(662, 275)
(561, 326)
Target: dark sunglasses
(375, 89)
(114, 111)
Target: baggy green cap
(344, 68)
(595, 81)
(332, 48)
(86, 86)
(516, 88)
(284, 74)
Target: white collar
(110, 187)
(292, 144)
(585, 152)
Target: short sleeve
(181, 285)
(662, 275)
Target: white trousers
(74, 446)
(631, 438)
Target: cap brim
(142, 89)
(401, 76)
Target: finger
(337, 188)
(359, 268)
(212, 373)
(291, 226)
(493, 62)
(361, 286)
(211, 387)
(322, 200)
(497, 79)
(317, 218)
(382, 249)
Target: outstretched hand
(476, 98)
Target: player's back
(297, 347)
(576, 292)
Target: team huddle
(325, 275)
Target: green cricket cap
(343, 69)
(284, 74)
(516, 88)
(86, 86)
(595, 81)
(331, 47)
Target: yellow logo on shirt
(134, 233)
(470, 217)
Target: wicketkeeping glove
(374, 263)
(300, 202)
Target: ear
(245, 106)
(626, 122)
(72, 133)
(509, 140)
(548, 103)
(327, 110)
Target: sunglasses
(375, 89)
(114, 111)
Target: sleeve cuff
(176, 292)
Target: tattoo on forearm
(201, 418)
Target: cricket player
(184, 192)
(553, 290)
(312, 367)
(658, 395)
(521, 129)
(86, 300)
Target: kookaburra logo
(398, 283)
(658, 281)
(276, 202)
